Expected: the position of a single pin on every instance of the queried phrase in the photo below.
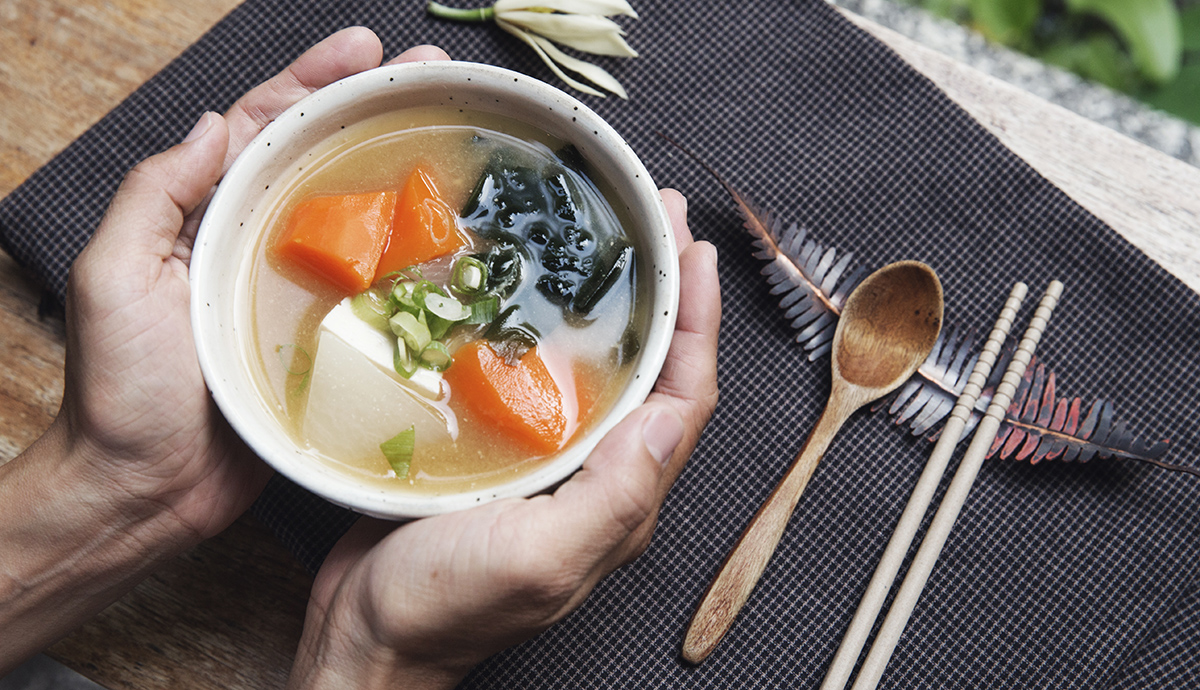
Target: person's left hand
(417, 606)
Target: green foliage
(1189, 21)
(1136, 46)
(1005, 21)
(1182, 95)
(1098, 57)
(1150, 28)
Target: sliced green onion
(425, 289)
(402, 297)
(296, 350)
(407, 273)
(470, 276)
(293, 371)
(484, 310)
(435, 356)
(447, 308)
(412, 329)
(371, 308)
(437, 325)
(402, 360)
(398, 450)
(402, 289)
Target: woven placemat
(1062, 576)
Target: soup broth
(560, 289)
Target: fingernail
(661, 433)
(202, 125)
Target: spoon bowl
(887, 328)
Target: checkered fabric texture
(1056, 576)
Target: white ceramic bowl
(224, 247)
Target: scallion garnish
(370, 307)
(436, 356)
(303, 369)
(412, 329)
(402, 360)
(402, 296)
(484, 310)
(420, 313)
(398, 450)
(447, 308)
(470, 276)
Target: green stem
(481, 14)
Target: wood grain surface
(228, 613)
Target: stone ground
(1114, 110)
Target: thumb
(147, 213)
(617, 492)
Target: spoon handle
(746, 563)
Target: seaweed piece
(601, 281)
(628, 348)
(511, 334)
(550, 212)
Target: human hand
(419, 605)
(134, 394)
(139, 464)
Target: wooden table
(228, 613)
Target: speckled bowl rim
(219, 257)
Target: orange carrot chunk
(339, 238)
(520, 401)
(425, 227)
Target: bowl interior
(238, 215)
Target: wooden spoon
(886, 330)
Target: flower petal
(593, 73)
(528, 38)
(590, 34)
(603, 8)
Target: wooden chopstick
(956, 495)
(922, 495)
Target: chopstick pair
(943, 521)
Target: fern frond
(1039, 426)
(813, 283)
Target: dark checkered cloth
(1056, 576)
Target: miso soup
(440, 299)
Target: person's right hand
(417, 606)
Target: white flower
(580, 24)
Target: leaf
(1182, 96)
(1150, 28)
(1098, 57)
(1005, 21)
(814, 283)
(1189, 22)
(811, 281)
